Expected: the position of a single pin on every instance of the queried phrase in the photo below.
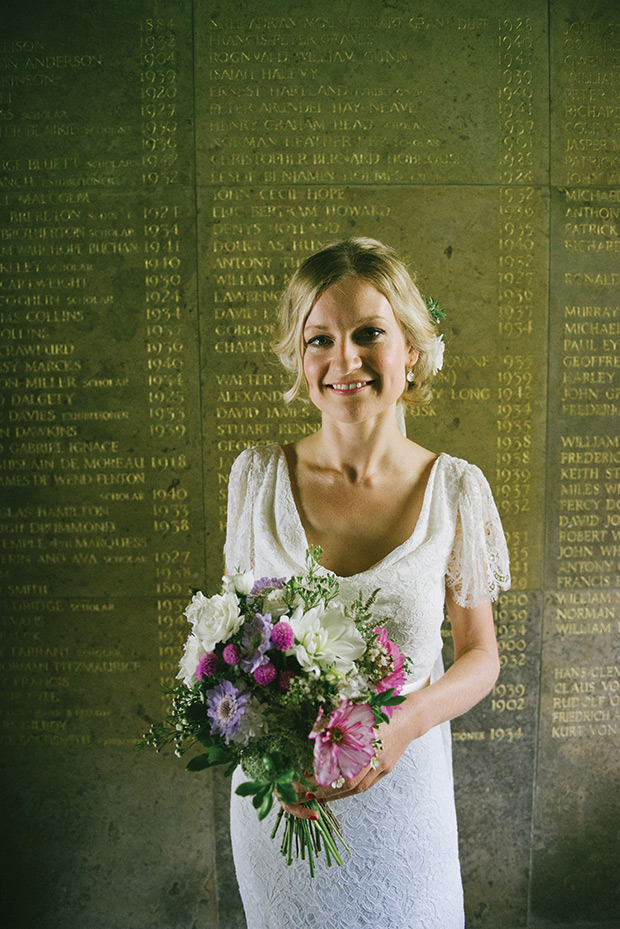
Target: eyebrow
(365, 319)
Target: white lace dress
(404, 871)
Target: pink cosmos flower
(396, 678)
(343, 744)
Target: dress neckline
(300, 532)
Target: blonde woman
(357, 338)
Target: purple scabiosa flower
(282, 636)
(231, 654)
(265, 674)
(225, 709)
(207, 665)
(255, 642)
(267, 583)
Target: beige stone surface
(165, 167)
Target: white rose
(242, 583)
(435, 353)
(325, 636)
(214, 619)
(189, 661)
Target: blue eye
(319, 341)
(370, 333)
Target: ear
(412, 354)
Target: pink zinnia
(343, 744)
(396, 678)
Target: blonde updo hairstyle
(377, 263)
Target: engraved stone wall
(164, 168)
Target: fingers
(359, 785)
(296, 809)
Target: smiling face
(355, 352)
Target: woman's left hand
(395, 737)
(464, 684)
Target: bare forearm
(464, 684)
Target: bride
(388, 513)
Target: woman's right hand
(297, 809)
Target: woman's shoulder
(458, 466)
(460, 475)
(255, 458)
(449, 467)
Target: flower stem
(311, 836)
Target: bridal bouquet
(287, 680)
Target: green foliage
(383, 699)
(312, 587)
(361, 611)
(435, 311)
(278, 778)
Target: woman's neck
(358, 451)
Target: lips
(345, 387)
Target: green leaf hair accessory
(436, 350)
(435, 311)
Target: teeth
(353, 386)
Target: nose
(347, 356)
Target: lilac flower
(256, 640)
(267, 583)
(207, 665)
(225, 708)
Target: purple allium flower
(231, 654)
(265, 674)
(282, 636)
(284, 680)
(225, 708)
(267, 583)
(207, 665)
(256, 640)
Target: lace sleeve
(238, 546)
(478, 567)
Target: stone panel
(165, 167)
